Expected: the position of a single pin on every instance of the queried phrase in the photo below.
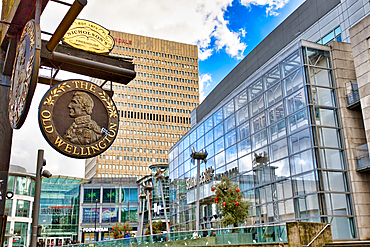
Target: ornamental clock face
(25, 74)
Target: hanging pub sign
(25, 74)
(78, 119)
(89, 36)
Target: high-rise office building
(154, 108)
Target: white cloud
(205, 81)
(272, 5)
(195, 22)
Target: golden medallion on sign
(25, 75)
(78, 119)
(89, 36)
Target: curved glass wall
(280, 139)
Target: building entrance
(57, 241)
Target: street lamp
(36, 204)
(160, 176)
(198, 156)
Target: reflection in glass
(209, 138)
(245, 163)
(332, 158)
(329, 137)
(318, 58)
(323, 96)
(208, 124)
(259, 122)
(281, 169)
(231, 154)
(271, 77)
(217, 117)
(242, 115)
(333, 181)
(277, 131)
(259, 140)
(276, 113)
(219, 145)
(274, 94)
(293, 82)
(228, 109)
(218, 131)
(304, 184)
(257, 105)
(326, 117)
(296, 101)
(255, 89)
(307, 206)
(301, 162)
(241, 99)
(320, 77)
(200, 130)
(290, 64)
(300, 141)
(230, 139)
(278, 150)
(298, 121)
(244, 147)
(243, 131)
(220, 159)
(229, 123)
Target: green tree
(158, 227)
(234, 209)
(119, 230)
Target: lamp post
(160, 176)
(198, 156)
(36, 204)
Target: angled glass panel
(278, 150)
(259, 122)
(336, 204)
(304, 184)
(280, 169)
(257, 105)
(217, 117)
(243, 131)
(277, 131)
(244, 147)
(246, 180)
(245, 163)
(326, 117)
(293, 82)
(271, 77)
(276, 113)
(299, 141)
(228, 109)
(218, 131)
(296, 101)
(231, 154)
(220, 159)
(210, 150)
(334, 181)
(332, 159)
(230, 139)
(193, 138)
(298, 121)
(242, 115)
(241, 100)
(323, 96)
(329, 137)
(208, 124)
(320, 77)
(219, 145)
(209, 138)
(318, 58)
(259, 140)
(255, 89)
(200, 130)
(274, 94)
(229, 124)
(290, 64)
(200, 144)
(301, 162)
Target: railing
(353, 96)
(362, 157)
(322, 230)
(223, 236)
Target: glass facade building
(282, 134)
(279, 125)
(105, 203)
(19, 207)
(59, 209)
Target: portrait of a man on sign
(83, 130)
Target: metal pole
(165, 208)
(142, 217)
(197, 203)
(96, 210)
(149, 212)
(66, 23)
(36, 202)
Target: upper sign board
(89, 36)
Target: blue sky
(224, 30)
(257, 25)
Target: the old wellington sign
(89, 36)
(78, 119)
